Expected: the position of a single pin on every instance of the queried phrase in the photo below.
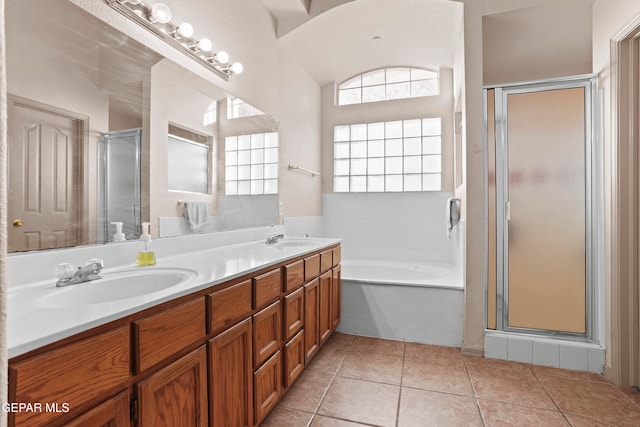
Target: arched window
(388, 83)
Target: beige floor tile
(510, 386)
(326, 361)
(307, 392)
(361, 401)
(283, 417)
(581, 421)
(567, 373)
(320, 421)
(376, 345)
(633, 394)
(420, 408)
(420, 373)
(339, 342)
(435, 353)
(378, 367)
(501, 414)
(496, 363)
(594, 399)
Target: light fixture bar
(139, 13)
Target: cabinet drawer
(163, 334)
(266, 333)
(293, 359)
(228, 305)
(326, 260)
(76, 374)
(311, 267)
(293, 313)
(336, 255)
(267, 288)
(267, 387)
(293, 275)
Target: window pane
(271, 171)
(358, 183)
(341, 133)
(231, 173)
(430, 164)
(393, 130)
(358, 166)
(431, 182)
(393, 183)
(424, 88)
(376, 148)
(375, 183)
(351, 83)
(231, 188)
(244, 172)
(257, 156)
(231, 158)
(358, 149)
(393, 165)
(257, 186)
(271, 139)
(412, 182)
(393, 147)
(257, 171)
(271, 186)
(373, 78)
(373, 94)
(412, 164)
(340, 150)
(375, 166)
(244, 142)
(399, 90)
(431, 145)
(419, 74)
(350, 96)
(375, 131)
(257, 140)
(359, 132)
(395, 75)
(412, 128)
(431, 126)
(271, 155)
(341, 184)
(412, 146)
(341, 167)
(244, 157)
(244, 188)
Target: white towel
(195, 213)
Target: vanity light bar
(157, 19)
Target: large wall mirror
(102, 129)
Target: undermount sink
(116, 286)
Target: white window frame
(251, 164)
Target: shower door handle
(508, 210)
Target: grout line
(404, 357)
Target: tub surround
(32, 324)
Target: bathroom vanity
(219, 354)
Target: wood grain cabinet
(113, 412)
(231, 377)
(267, 327)
(336, 289)
(311, 319)
(177, 394)
(294, 356)
(324, 306)
(267, 385)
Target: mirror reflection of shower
(119, 178)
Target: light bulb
(221, 57)
(185, 30)
(237, 68)
(204, 44)
(160, 13)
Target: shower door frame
(501, 94)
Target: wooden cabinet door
(311, 319)
(267, 328)
(336, 296)
(267, 386)
(324, 308)
(177, 394)
(231, 374)
(293, 313)
(111, 413)
(293, 359)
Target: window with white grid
(251, 164)
(403, 155)
(389, 83)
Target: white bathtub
(402, 273)
(402, 301)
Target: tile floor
(355, 381)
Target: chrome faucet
(69, 275)
(271, 239)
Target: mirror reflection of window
(237, 108)
(188, 161)
(251, 164)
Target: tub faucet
(271, 239)
(68, 275)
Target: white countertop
(33, 324)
